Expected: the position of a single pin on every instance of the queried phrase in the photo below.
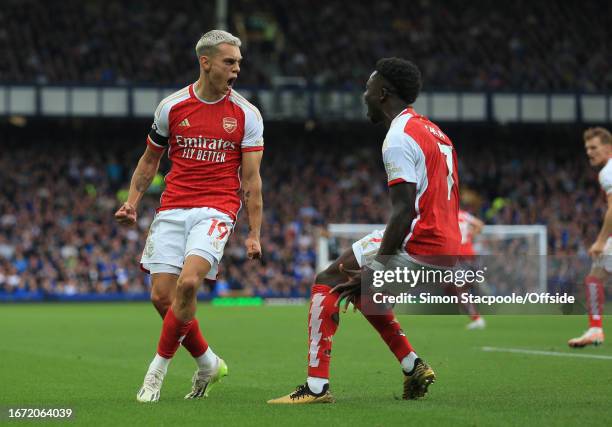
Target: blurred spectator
(519, 45)
(57, 238)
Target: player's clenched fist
(596, 249)
(253, 248)
(126, 215)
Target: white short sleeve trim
(162, 113)
(605, 177)
(253, 124)
(404, 160)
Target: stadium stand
(58, 236)
(520, 45)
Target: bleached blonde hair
(208, 43)
(603, 134)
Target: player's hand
(253, 248)
(126, 215)
(597, 249)
(350, 290)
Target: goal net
(514, 256)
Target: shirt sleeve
(605, 179)
(401, 159)
(470, 219)
(253, 130)
(160, 134)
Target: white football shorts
(177, 233)
(605, 260)
(366, 248)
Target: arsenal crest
(230, 124)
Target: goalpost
(500, 245)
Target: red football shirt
(205, 142)
(417, 151)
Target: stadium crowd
(520, 45)
(58, 235)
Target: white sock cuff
(316, 384)
(208, 360)
(159, 363)
(408, 362)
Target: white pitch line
(546, 353)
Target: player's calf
(323, 321)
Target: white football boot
(476, 324)
(593, 336)
(151, 387)
(204, 379)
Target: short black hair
(404, 75)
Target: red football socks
(173, 331)
(194, 341)
(389, 329)
(595, 300)
(323, 319)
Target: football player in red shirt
(470, 227)
(214, 139)
(421, 166)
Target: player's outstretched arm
(141, 180)
(605, 232)
(403, 196)
(253, 200)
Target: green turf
(92, 357)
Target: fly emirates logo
(204, 149)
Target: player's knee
(598, 273)
(161, 301)
(187, 286)
(330, 276)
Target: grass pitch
(92, 358)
